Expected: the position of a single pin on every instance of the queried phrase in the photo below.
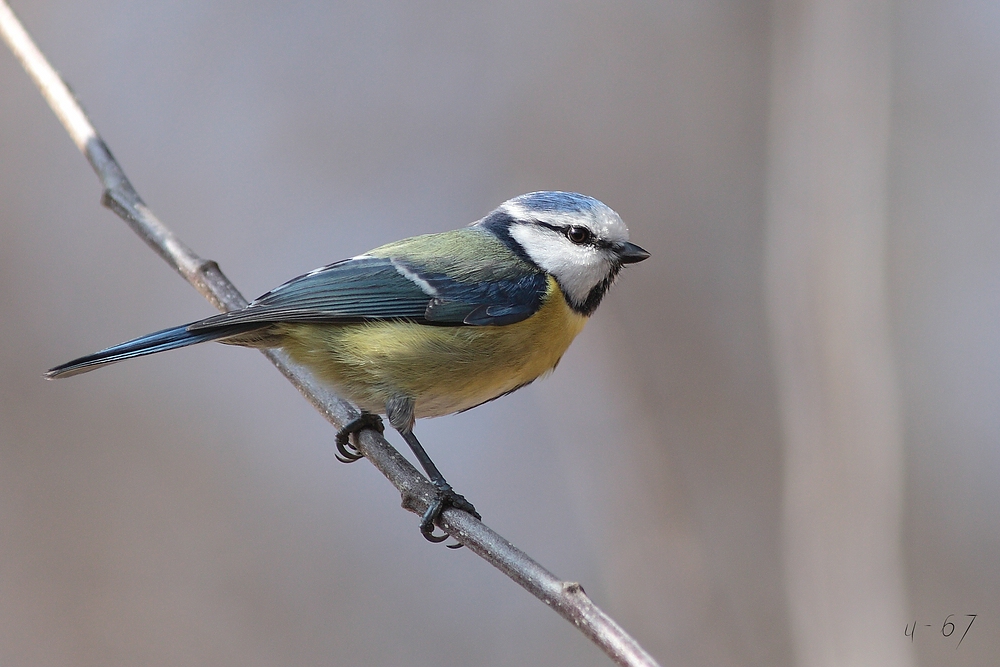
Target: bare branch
(567, 598)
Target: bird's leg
(446, 496)
(346, 451)
(400, 413)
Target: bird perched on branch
(433, 324)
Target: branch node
(207, 267)
(118, 204)
(412, 500)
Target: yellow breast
(444, 369)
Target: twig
(567, 598)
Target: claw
(346, 451)
(431, 537)
(431, 515)
(446, 497)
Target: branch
(567, 598)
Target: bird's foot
(346, 451)
(446, 497)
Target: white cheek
(577, 268)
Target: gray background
(187, 509)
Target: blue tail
(168, 339)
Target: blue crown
(561, 202)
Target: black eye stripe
(565, 229)
(555, 228)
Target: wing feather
(385, 288)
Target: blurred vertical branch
(828, 153)
(567, 598)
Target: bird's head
(576, 239)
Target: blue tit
(433, 324)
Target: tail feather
(168, 339)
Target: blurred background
(774, 444)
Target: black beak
(630, 253)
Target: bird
(433, 324)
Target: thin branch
(567, 598)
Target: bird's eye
(578, 234)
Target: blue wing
(496, 302)
(385, 288)
(464, 277)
